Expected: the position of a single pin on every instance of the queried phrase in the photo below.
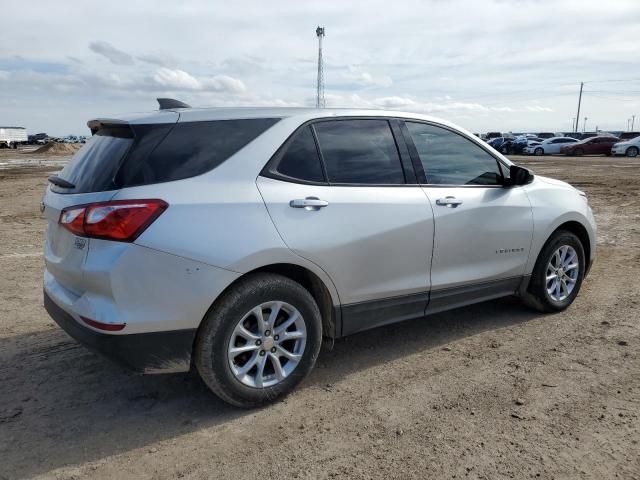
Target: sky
(487, 65)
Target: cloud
(180, 80)
(152, 59)
(524, 74)
(111, 53)
(366, 79)
(439, 105)
(538, 108)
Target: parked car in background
(239, 261)
(630, 148)
(545, 135)
(628, 135)
(549, 146)
(600, 145)
(38, 139)
(492, 135)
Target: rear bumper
(155, 352)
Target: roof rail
(169, 103)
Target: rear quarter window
(190, 149)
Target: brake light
(119, 220)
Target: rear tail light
(119, 220)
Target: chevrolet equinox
(233, 239)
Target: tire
(578, 152)
(219, 329)
(632, 152)
(537, 294)
(538, 151)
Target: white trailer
(11, 137)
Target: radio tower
(320, 103)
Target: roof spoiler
(98, 123)
(169, 103)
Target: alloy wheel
(562, 273)
(267, 344)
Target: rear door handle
(451, 202)
(309, 203)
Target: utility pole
(579, 102)
(320, 102)
(628, 123)
(633, 120)
(584, 127)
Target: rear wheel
(259, 340)
(632, 152)
(558, 273)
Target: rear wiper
(60, 182)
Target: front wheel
(539, 151)
(259, 340)
(632, 152)
(578, 152)
(557, 275)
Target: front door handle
(451, 202)
(309, 203)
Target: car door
(338, 194)
(605, 145)
(553, 146)
(483, 230)
(565, 142)
(590, 147)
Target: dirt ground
(490, 391)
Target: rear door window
(299, 159)
(359, 152)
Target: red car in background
(591, 146)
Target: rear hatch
(91, 176)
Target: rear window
(145, 154)
(94, 166)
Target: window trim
(404, 155)
(417, 163)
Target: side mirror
(519, 176)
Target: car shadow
(63, 405)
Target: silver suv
(233, 240)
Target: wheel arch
(570, 225)
(327, 301)
(580, 231)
